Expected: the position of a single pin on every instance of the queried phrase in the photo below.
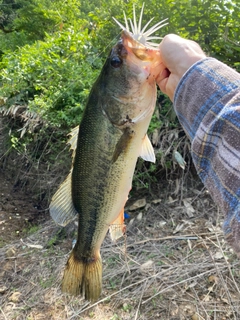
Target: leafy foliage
(52, 51)
(52, 77)
(25, 21)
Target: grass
(32, 230)
(149, 275)
(2, 242)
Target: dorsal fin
(61, 207)
(73, 140)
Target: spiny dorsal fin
(147, 151)
(61, 207)
(73, 140)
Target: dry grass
(169, 266)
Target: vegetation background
(51, 52)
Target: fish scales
(112, 135)
(96, 144)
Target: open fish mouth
(141, 37)
(141, 52)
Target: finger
(164, 74)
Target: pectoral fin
(117, 228)
(61, 207)
(147, 151)
(123, 143)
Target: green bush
(52, 77)
(54, 50)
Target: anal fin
(117, 228)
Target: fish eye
(116, 62)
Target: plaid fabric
(207, 103)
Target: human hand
(177, 55)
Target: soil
(17, 212)
(172, 264)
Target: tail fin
(83, 278)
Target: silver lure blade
(140, 34)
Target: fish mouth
(146, 59)
(137, 48)
(137, 40)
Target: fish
(110, 138)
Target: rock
(139, 216)
(3, 289)
(147, 266)
(156, 201)
(10, 252)
(140, 203)
(15, 297)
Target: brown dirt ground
(17, 212)
(173, 263)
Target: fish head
(139, 54)
(128, 81)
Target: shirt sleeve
(207, 103)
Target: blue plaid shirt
(207, 103)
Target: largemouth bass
(112, 135)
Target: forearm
(207, 102)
